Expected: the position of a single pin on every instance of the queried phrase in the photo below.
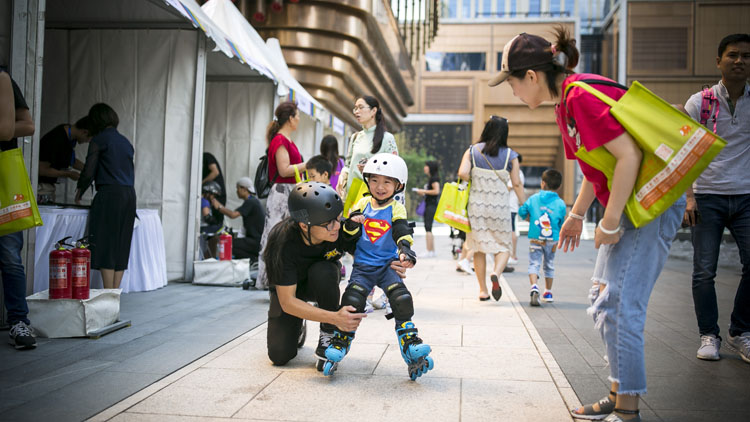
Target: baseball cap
(524, 51)
(246, 183)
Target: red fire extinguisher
(225, 246)
(81, 269)
(60, 274)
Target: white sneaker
(709, 350)
(512, 261)
(380, 302)
(368, 307)
(464, 266)
(388, 309)
(741, 344)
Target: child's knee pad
(401, 301)
(355, 295)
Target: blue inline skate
(414, 352)
(340, 344)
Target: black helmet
(212, 187)
(314, 203)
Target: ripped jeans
(629, 270)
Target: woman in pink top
(283, 157)
(629, 259)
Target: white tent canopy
(149, 63)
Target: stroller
(457, 242)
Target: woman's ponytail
(271, 130)
(565, 51)
(273, 255)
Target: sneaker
(21, 336)
(380, 302)
(512, 261)
(320, 352)
(547, 297)
(464, 266)
(534, 301)
(709, 350)
(368, 307)
(741, 344)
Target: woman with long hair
(329, 148)
(374, 138)
(630, 259)
(109, 164)
(431, 194)
(489, 165)
(283, 158)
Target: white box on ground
(58, 318)
(221, 273)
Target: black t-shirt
(56, 148)
(253, 218)
(298, 257)
(209, 159)
(432, 199)
(20, 105)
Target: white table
(147, 265)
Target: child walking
(546, 213)
(386, 237)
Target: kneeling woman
(302, 260)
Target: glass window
(499, 60)
(513, 8)
(455, 62)
(500, 8)
(450, 9)
(486, 8)
(554, 8)
(535, 7)
(466, 9)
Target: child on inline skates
(386, 237)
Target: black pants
(244, 247)
(322, 286)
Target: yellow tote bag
(357, 191)
(451, 208)
(676, 150)
(18, 210)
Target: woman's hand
(401, 266)
(570, 234)
(601, 238)
(347, 319)
(420, 192)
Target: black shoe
(320, 352)
(302, 334)
(21, 336)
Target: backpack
(262, 184)
(709, 103)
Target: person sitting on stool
(253, 218)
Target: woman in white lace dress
(488, 165)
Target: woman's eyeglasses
(330, 226)
(358, 108)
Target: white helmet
(386, 164)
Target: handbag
(451, 209)
(420, 208)
(357, 191)
(18, 209)
(676, 149)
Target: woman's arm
(283, 168)
(89, 171)
(7, 108)
(46, 169)
(213, 174)
(570, 232)
(515, 179)
(464, 170)
(628, 157)
(346, 319)
(433, 190)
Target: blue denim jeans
(629, 270)
(539, 253)
(13, 277)
(718, 212)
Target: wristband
(605, 231)
(576, 216)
